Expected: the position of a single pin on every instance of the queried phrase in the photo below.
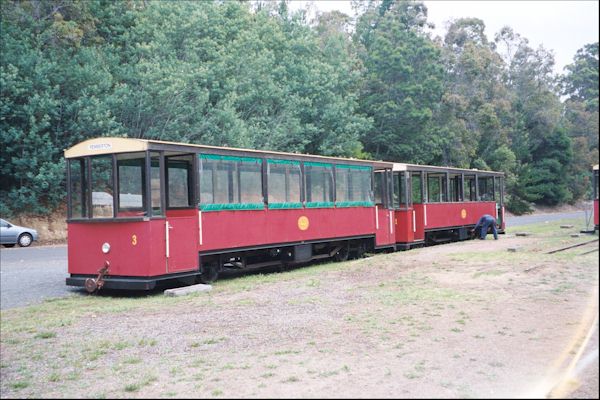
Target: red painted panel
(404, 226)
(441, 215)
(220, 230)
(245, 228)
(596, 212)
(136, 248)
(385, 227)
(183, 240)
(420, 220)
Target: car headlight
(105, 248)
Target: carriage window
(319, 184)
(131, 176)
(251, 182)
(155, 184)
(469, 188)
(284, 181)
(454, 187)
(435, 188)
(399, 197)
(230, 183)
(102, 187)
(179, 185)
(218, 181)
(486, 188)
(498, 189)
(417, 195)
(353, 186)
(78, 186)
(379, 182)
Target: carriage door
(417, 193)
(384, 228)
(182, 215)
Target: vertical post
(448, 199)
(264, 168)
(425, 186)
(88, 185)
(146, 182)
(407, 182)
(238, 173)
(115, 184)
(390, 197)
(69, 202)
(333, 195)
(304, 180)
(476, 187)
(195, 178)
(163, 183)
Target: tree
(538, 136)
(475, 106)
(581, 81)
(580, 84)
(402, 81)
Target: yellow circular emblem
(303, 223)
(463, 213)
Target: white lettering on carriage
(100, 146)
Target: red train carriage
(143, 211)
(595, 180)
(438, 204)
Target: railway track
(573, 246)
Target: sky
(560, 26)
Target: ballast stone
(188, 290)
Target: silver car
(12, 234)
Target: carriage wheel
(342, 254)
(209, 273)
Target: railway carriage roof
(433, 168)
(110, 145)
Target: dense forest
(377, 85)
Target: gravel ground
(459, 320)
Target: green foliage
(260, 76)
(216, 73)
(402, 81)
(581, 115)
(581, 80)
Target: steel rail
(570, 247)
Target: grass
(417, 293)
(45, 335)
(492, 272)
(145, 381)
(20, 385)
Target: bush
(518, 206)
